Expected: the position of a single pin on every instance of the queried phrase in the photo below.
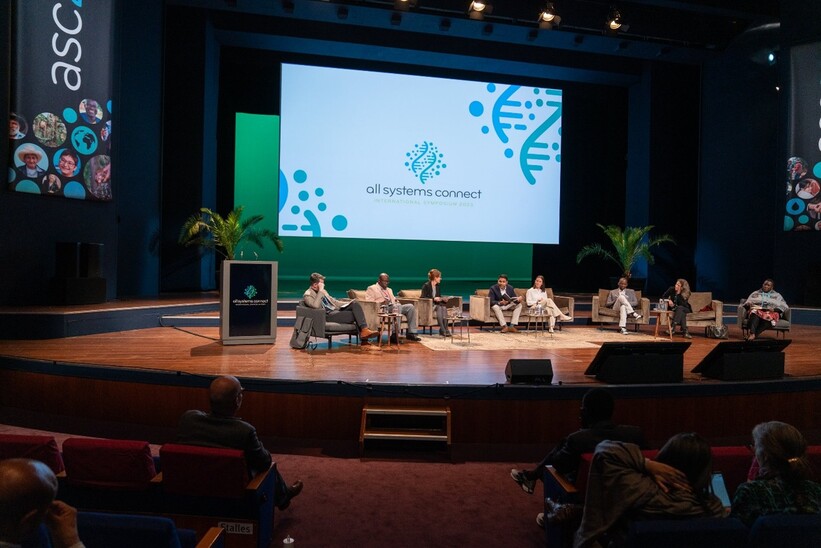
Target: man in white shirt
(382, 294)
(623, 300)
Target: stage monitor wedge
(639, 362)
(745, 360)
(529, 371)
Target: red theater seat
(108, 464)
(42, 448)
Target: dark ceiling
(708, 24)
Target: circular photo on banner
(97, 176)
(18, 127)
(796, 168)
(66, 162)
(807, 189)
(49, 129)
(31, 162)
(90, 111)
(51, 184)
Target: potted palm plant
(628, 246)
(211, 230)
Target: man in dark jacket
(596, 414)
(221, 428)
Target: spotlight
(771, 58)
(549, 19)
(614, 20)
(403, 5)
(479, 8)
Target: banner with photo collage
(60, 119)
(803, 207)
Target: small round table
(539, 320)
(662, 316)
(389, 322)
(462, 321)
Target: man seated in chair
(221, 428)
(764, 308)
(349, 312)
(623, 300)
(503, 297)
(381, 293)
(27, 491)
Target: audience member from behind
(27, 491)
(764, 308)
(221, 428)
(624, 485)
(783, 484)
(596, 426)
(678, 300)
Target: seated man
(27, 491)
(350, 312)
(596, 414)
(764, 308)
(503, 297)
(381, 293)
(623, 300)
(221, 428)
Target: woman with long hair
(537, 295)
(432, 290)
(783, 483)
(678, 298)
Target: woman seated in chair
(764, 308)
(623, 485)
(432, 290)
(537, 296)
(782, 482)
(677, 298)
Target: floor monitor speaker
(744, 360)
(520, 371)
(639, 362)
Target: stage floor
(197, 351)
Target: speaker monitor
(520, 371)
(639, 362)
(744, 360)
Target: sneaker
(637, 316)
(686, 335)
(623, 330)
(540, 519)
(412, 337)
(566, 318)
(519, 477)
(550, 330)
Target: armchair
(325, 329)
(481, 312)
(424, 307)
(601, 313)
(707, 318)
(204, 486)
(371, 308)
(781, 327)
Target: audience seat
(787, 530)
(688, 533)
(42, 448)
(98, 530)
(203, 486)
(109, 475)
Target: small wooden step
(405, 424)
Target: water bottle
(662, 304)
(538, 310)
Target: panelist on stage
(432, 289)
(764, 308)
(382, 294)
(503, 297)
(348, 312)
(623, 300)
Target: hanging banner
(60, 119)
(803, 207)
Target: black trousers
(352, 314)
(680, 317)
(756, 325)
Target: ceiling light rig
(479, 8)
(404, 5)
(615, 21)
(549, 18)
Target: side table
(389, 323)
(662, 316)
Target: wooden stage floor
(197, 351)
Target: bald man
(27, 491)
(382, 294)
(221, 428)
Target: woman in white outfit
(536, 296)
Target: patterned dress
(773, 496)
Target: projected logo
(250, 291)
(425, 161)
(308, 212)
(527, 122)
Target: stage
(148, 374)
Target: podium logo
(250, 291)
(425, 161)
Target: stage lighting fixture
(771, 58)
(479, 8)
(614, 21)
(403, 5)
(549, 19)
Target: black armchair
(323, 328)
